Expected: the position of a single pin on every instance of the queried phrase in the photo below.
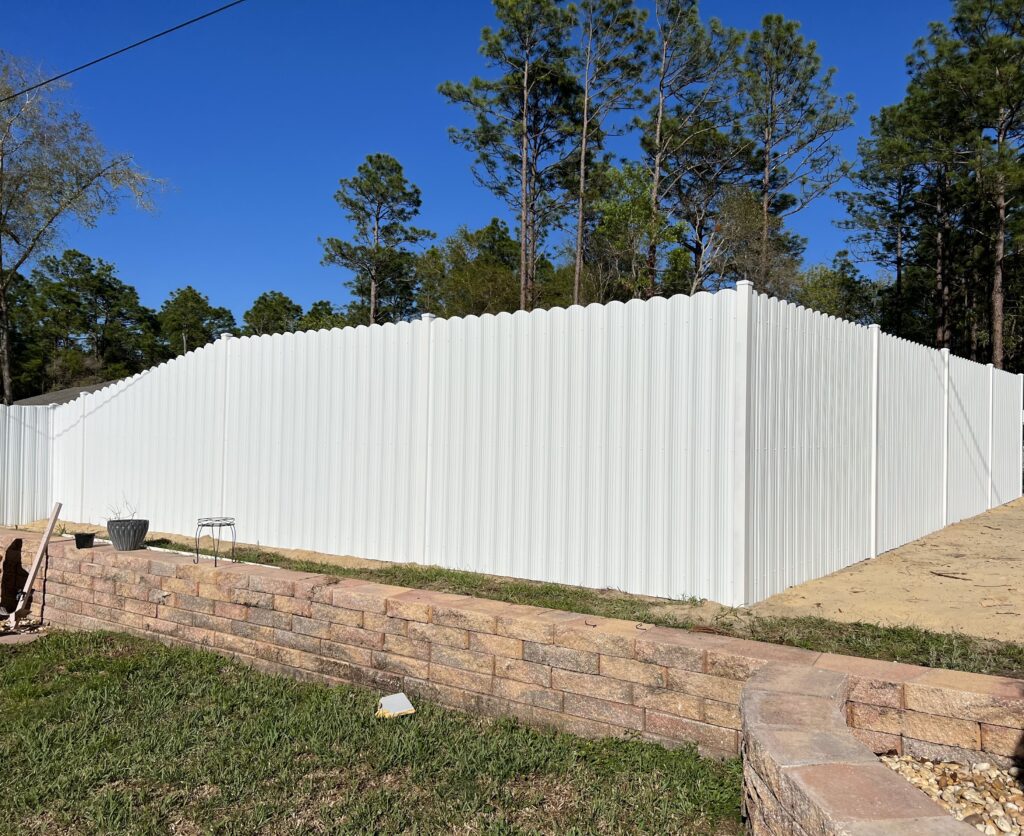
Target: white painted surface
(810, 446)
(911, 397)
(968, 439)
(24, 463)
(723, 446)
(587, 446)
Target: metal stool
(215, 524)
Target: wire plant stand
(216, 526)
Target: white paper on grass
(394, 705)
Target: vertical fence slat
(875, 382)
(741, 446)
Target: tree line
(74, 322)
(734, 132)
(638, 153)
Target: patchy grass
(551, 595)
(912, 645)
(896, 644)
(105, 733)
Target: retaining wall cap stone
(799, 748)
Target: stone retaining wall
(584, 674)
(804, 772)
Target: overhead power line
(122, 50)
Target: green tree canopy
(471, 272)
(322, 315)
(188, 320)
(272, 313)
(93, 325)
(742, 252)
(840, 291)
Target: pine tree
(881, 208)
(693, 69)
(609, 64)
(524, 121)
(380, 203)
(792, 116)
(990, 71)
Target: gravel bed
(982, 795)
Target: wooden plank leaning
(24, 595)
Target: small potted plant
(125, 532)
(84, 539)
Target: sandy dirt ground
(966, 578)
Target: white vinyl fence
(725, 446)
(24, 463)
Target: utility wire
(123, 49)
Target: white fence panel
(67, 451)
(969, 428)
(1007, 463)
(24, 464)
(151, 443)
(588, 446)
(326, 439)
(810, 445)
(911, 440)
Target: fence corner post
(876, 331)
(945, 436)
(741, 552)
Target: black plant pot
(127, 535)
(84, 541)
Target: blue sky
(253, 115)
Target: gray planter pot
(127, 535)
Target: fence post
(945, 436)
(876, 331)
(991, 426)
(742, 569)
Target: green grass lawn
(104, 733)
(896, 644)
